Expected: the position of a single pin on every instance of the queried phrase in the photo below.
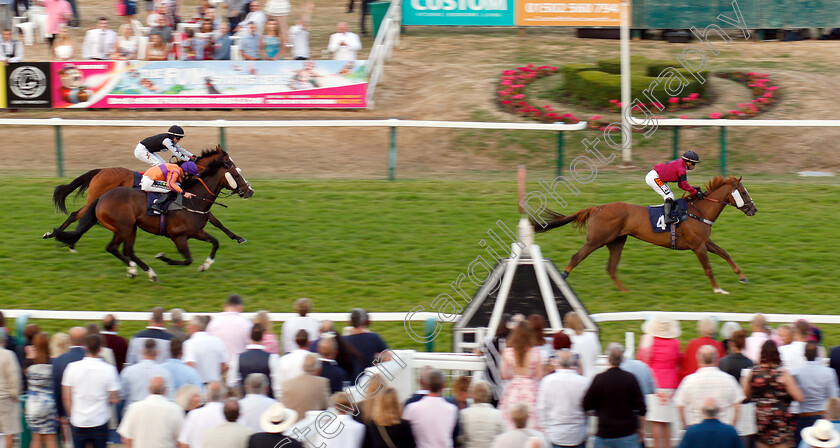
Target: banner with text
(27, 84)
(209, 84)
(511, 12)
(563, 13)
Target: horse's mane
(212, 151)
(209, 170)
(719, 181)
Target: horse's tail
(554, 219)
(88, 220)
(62, 191)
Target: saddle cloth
(656, 213)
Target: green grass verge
(389, 246)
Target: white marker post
(626, 131)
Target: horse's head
(736, 194)
(233, 176)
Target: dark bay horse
(102, 180)
(610, 224)
(122, 210)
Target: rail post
(222, 136)
(59, 154)
(392, 153)
(723, 150)
(674, 154)
(559, 153)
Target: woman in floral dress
(522, 365)
(40, 410)
(772, 389)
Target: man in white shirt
(99, 42)
(255, 359)
(204, 352)
(560, 403)
(290, 365)
(299, 37)
(344, 44)
(290, 329)
(481, 422)
(520, 436)
(352, 434)
(256, 16)
(255, 401)
(10, 50)
(89, 387)
(708, 382)
(229, 434)
(432, 418)
(760, 334)
(153, 422)
(793, 354)
(10, 389)
(203, 418)
(136, 377)
(229, 326)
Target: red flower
(518, 96)
(595, 117)
(684, 117)
(506, 102)
(694, 95)
(734, 112)
(673, 100)
(772, 88)
(715, 115)
(503, 92)
(614, 102)
(687, 99)
(768, 95)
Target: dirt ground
(445, 74)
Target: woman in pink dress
(58, 13)
(522, 366)
(660, 349)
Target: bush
(571, 79)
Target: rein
(211, 201)
(718, 201)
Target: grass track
(389, 246)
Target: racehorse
(99, 181)
(610, 224)
(123, 209)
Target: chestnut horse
(610, 224)
(99, 181)
(124, 209)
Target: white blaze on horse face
(232, 182)
(738, 200)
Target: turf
(389, 246)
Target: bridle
(736, 195)
(228, 178)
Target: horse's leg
(128, 251)
(218, 224)
(720, 252)
(703, 256)
(584, 252)
(204, 236)
(615, 247)
(183, 247)
(114, 249)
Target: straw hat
(821, 435)
(277, 418)
(662, 326)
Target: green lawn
(389, 246)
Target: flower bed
(511, 95)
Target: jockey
(164, 178)
(148, 147)
(673, 171)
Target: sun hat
(728, 329)
(662, 326)
(821, 435)
(277, 418)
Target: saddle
(177, 204)
(656, 213)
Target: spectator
(136, 377)
(760, 334)
(640, 370)
(229, 434)
(59, 13)
(269, 340)
(352, 434)
(256, 16)
(385, 428)
(155, 330)
(706, 328)
(229, 326)
(12, 51)
(545, 344)
(204, 352)
(234, 8)
(176, 315)
(127, 9)
(734, 363)
(75, 353)
(560, 403)
(367, 343)
(481, 422)
(344, 44)
(90, 385)
(274, 422)
(783, 335)
(521, 364)
(290, 365)
(301, 322)
(10, 389)
(423, 379)
(347, 357)
(726, 332)
(793, 354)
(6, 13)
(59, 345)
(279, 10)
(708, 381)
(363, 15)
(460, 392)
(99, 42)
(192, 48)
(207, 26)
(710, 431)
(271, 47)
(618, 402)
(561, 340)
(154, 421)
(162, 27)
(823, 434)
(584, 343)
(181, 373)
(328, 349)
(520, 436)
(492, 349)
(660, 349)
(299, 40)
(201, 419)
(832, 414)
(114, 341)
(40, 411)
(222, 43)
(255, 359)
(771, 387)
(433, 419)
(105, 353)
(818, 383)
(307, 392)
(255, 401)
(189, 397)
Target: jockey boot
(162, 203)
(668, 207)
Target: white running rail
(387, 38)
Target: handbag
(385, 438)
(120, 8)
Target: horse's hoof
(160, 255)
(47, 235)
(206, 265)
(73, 251)
(240, 240)
(153, 278)
(744, 280)
(720, 291)
(564, 275)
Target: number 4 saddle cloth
(656, 213)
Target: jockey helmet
(691, 156)
(189, 167)
(176, 131)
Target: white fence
(387, 38)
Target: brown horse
(122, 210)
(102, 180)
(610, 224)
